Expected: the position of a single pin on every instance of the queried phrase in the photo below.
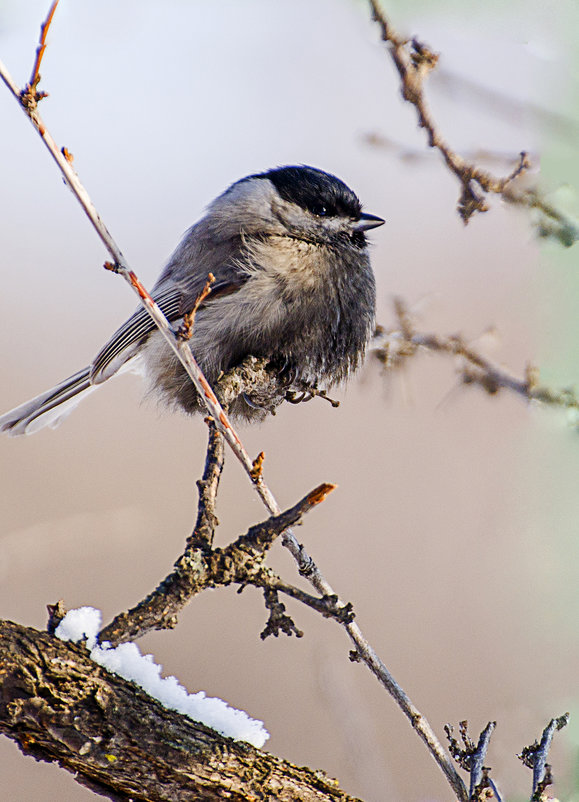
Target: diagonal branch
(414, 62)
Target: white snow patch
(80, 624)
(127, 661)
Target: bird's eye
(320, 210)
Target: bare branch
(414, 61)
(278, 621)
(201, 567)
(472, 757)
(30, 96)
(535, 758)
(186, 330)
(393, 347)
(204, 532)
(550, 222)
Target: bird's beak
(368, 221)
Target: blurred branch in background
(414, 62)
(393, 347)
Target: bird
(292, 284)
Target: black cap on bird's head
(320, 193)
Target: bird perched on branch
(292, 284)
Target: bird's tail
(50, 408)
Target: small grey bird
(293, 284)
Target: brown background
(453, 531)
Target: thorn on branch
(278, 621)
(112, 266)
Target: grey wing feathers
(175, 292)
(125, 341)
(123, 344)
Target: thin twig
(278, 621)
(30, 94)
(327, 606)
(478, 774)
(414, 61)
(186, 330)
(204, 532)
(306, 565)
(394, 346)
(547, 219)
(472, 757)
(550, 222)
(535, 757)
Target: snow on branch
(127, 661)
(59, 705)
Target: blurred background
(454, 528)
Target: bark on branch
(58, 705)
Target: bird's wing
(124, 342)
(174, 303)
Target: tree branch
(535, 758)
(472, 757)
(60, 706)
(179, 345)
(414, 62)
(393, 347)
(201, 567)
